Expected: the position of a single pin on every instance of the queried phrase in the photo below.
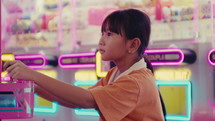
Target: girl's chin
(105, 59)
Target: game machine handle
(16, 98)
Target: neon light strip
(208, 58)
(7, 57)
(85, 112)
(76, 55)
(85, 83)
(33, 57)
(8, 110)
(160, 51)
(43, 109)
(99, 72)
(188, 98)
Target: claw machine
(186, 88)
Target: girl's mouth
(101, 51)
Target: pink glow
(212, 21)
(77, 66)
(167, 51)
(33, 57)
(76, 55)
(211, 104)
(60, 24)
(208, 57)
(97, 15)
(73, 25)
(196, 19)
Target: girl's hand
(18, 70)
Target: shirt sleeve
(117, 99)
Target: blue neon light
(43, 109)
(188, 99)
(85, 112)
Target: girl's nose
(101, 42)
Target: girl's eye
(109, 33)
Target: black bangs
(114, 22)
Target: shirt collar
(138, 65)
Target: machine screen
(7, 99)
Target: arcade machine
(181, 77)
(173, 78)
(178, 53)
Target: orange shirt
(132, 97)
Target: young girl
(128, 92)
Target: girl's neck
(126, 63)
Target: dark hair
(131, 22)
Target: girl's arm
(69, 93)
(50, 97)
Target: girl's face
(112, 46)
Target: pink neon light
(160, 51)
(33, 57)
(208, 58)
(76, 66)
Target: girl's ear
(134, 45)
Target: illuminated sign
(85, 112)
(162, 57)
(211, 57)
(77, 60)
(99, 71)
(170, 57)
(83, 74)
(169, 74)
(7, 57)
(35, 61)
(187, 114)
